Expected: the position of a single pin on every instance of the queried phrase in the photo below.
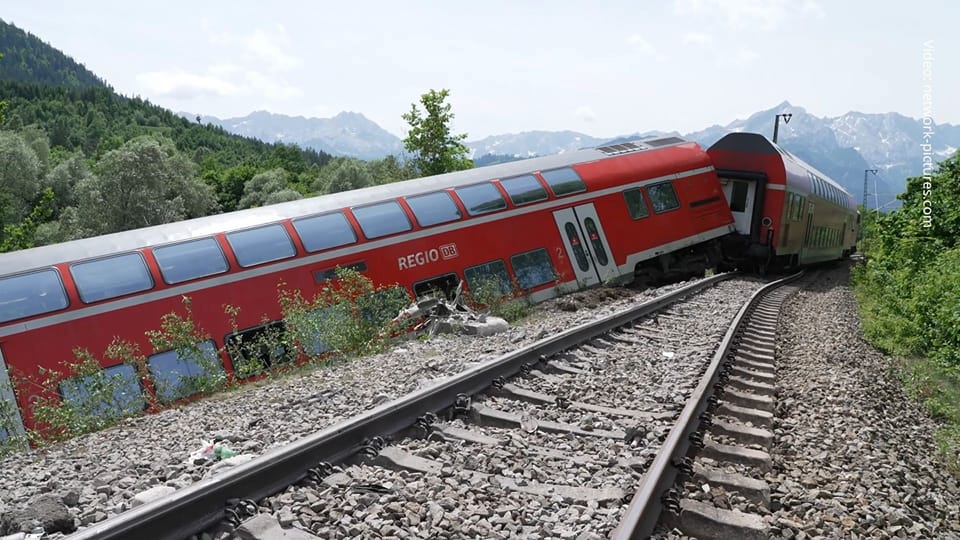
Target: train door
(11, 424)
(586, 244)
(740, 195)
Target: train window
(261, 245)
(190, 260)
(257, 349)
(327, 274)
(574, 238)
(26, 295)
(594, 235)
(445, 285)
(663, 197)
(564, 181)
(524, 189)
(798, 212)
(325, 231)
(794, 204)
(113, 391)
(481, 198)
(738, 196)
(382, 219)
(111, 277)
(434, 208)
(310, 329)
(180, 374)
(487, 278)
(380, 307)
(635, 203)
(533, 268)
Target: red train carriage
(546, 224)
(786, 212)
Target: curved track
(574, 421)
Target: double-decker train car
(545, 225)
(787, 213)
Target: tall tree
(435, 149)
(144, 182)
(343, 174)
(20, 171)
(265, 188)
(3, 104)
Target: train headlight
(766, 221)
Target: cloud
(585, 113)
(696, 38)
(745, 57)
(270, 46)
(270, 86)
(741, 58)
(642, 46)
(183, 85)
(756, 14)
(251, 64)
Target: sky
(605, 68)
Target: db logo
(448, 251)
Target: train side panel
(637, 206)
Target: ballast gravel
(854, 457)
(572, 484)
(96, 476)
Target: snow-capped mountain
(347, 133)
(842, 147)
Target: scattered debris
(440, 315)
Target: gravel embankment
(93, 477)
(853, 456)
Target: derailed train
(646, 210)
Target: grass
(935, 386)
(938, 389)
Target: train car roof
(109, 244)
(754, 143)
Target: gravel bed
(516, 460)
(454, 505)
(853, 454)
(93, 477)
(627, 372)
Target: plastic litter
(212, 451)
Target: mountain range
(843, 147)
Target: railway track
(718, 447)
(548, 441)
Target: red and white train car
(546, 224)
(787, 213)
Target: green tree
(19, 177)
(3, 104)
(36, 139)
(144, 182)
(265, 188)
(63, 179)
(343, 174)
(435, 149)
(390, 169)
(23, 234)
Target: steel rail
(641, 516)
(201, 505)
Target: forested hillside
(28, 59)
(77, 159)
